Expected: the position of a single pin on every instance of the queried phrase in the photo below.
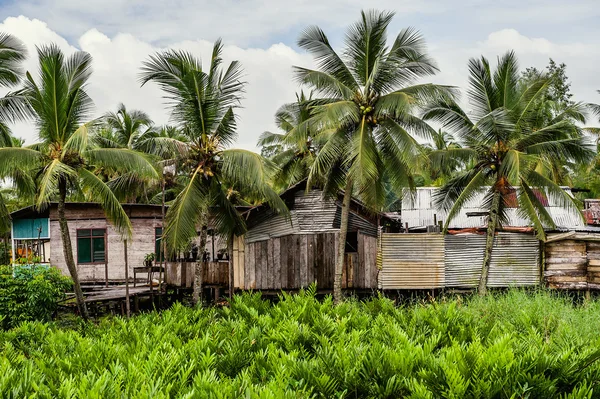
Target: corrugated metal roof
(314, 211)
(418, 210)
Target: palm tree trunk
(199, 269)
(68, 249)
(489, 243)
(127, 304)
(230, 252)
(339, 262)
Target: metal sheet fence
(515, 260)
(426, 261)
(411, 261)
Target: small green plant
(149, 258)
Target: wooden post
(161, 253)
(127, 304)
(230, 251)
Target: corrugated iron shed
(418, 211)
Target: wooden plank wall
(181, 274)
(239, 249)
(566, 264)
(295, 261)
(573, 264)
(593, 266)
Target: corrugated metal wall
(515, 260)
(411, 261)
(425, 261)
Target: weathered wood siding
(412, 261)
(181, 274)
(85, 216)
(593, 265)
(239, 248)
(297, 260)
(515, 260)
(572, 264)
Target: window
(351, 242)
(158, 243)
(91, 246)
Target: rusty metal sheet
(411, 261)
(515, 260)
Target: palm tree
(439, 169)
(505, 142)
(294, 150)
(62, 160)
(203, 104)
(12, 54)
(365, 113)
(125, 129)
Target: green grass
(517, 344)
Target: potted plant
(148, 259)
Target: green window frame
(91, 246)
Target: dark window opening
(91, 246)
(351, 242)
(158, 248)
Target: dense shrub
(30, 293)
(514, 345)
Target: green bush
(513, 345)
(30, 293)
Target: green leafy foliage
(31, 294)
(512, 345)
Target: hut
(98, 248)
(454, 260)
(292, 251)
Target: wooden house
(292, 251)
(98, 248)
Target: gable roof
(289, 195)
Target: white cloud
(117, 61)
(581, 59)
(118, 57)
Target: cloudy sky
(120, 34)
